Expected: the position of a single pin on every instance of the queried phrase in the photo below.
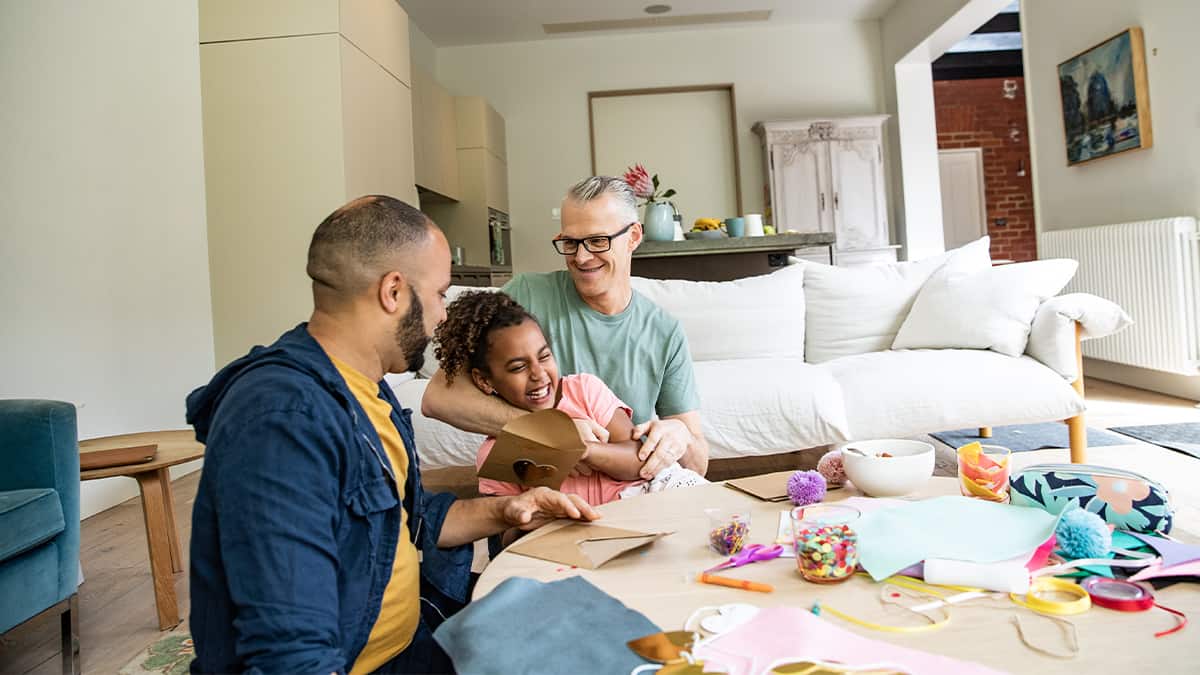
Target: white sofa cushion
(856, 310)
(749, 407)
(756, 317)
(768, 406)
(985, 309)
(902, 393)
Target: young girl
(490, 338)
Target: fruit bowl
(888, 467)
(705, 234)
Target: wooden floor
(117, 618)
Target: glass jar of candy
(826, 546)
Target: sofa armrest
(1052, 336)
(39, 448)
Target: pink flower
(639, 179)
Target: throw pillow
(856, 310)
(989, 309)
(753, 318)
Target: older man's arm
(461, 404)
(678, 438)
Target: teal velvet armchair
(39, 517)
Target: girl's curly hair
(462, 339)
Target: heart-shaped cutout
(529, 471)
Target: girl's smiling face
(521, 367)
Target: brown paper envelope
(770, 487)
(585, 546)
(536, 449)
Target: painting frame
(1099, 119)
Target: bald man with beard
(314, 548)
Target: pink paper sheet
(791, 632)
(1188, 569)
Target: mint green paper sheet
(957, 528)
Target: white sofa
(803, 357)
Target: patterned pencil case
(1124, 499)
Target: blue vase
(659, 222)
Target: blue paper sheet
(957, 528)
(526, 626)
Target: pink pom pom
(806, 487)
(831, 467)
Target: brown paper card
(534, 450)
(770, 487)
(583, 545)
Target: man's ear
(394, 295)
(481, 381)
(635, 236)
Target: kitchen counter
(726, 258)
(694, 247)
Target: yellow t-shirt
(401, 611)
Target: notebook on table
(106, 459)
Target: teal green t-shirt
(641, 353)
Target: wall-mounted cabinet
(479, 221)
(293, 128)
(434, 137)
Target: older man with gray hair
(598, 324)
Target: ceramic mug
(735, 227)
(754, 224)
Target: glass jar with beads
(825, 543)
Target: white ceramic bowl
(905, 471)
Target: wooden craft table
(658, 581)
(154, 482)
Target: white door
(964, 208)
(800, 198)
(859, 210)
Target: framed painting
(1105, 98)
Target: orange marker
(734, 583)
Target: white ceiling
(468, 22)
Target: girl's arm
(620, 459)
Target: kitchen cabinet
(434, 137)
(293, 128)
(826, 175)
(478, 222)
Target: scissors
(750, 554)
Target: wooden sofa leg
(1077, 425)
(985, 432)
(70, 637)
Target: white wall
(541, 90)
(1160, 181)
(103, 263)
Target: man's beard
(410, 334)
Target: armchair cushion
(28, 518)
(1052, 338)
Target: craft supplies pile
(1047, 544)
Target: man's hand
(534, 508)
(666, 441)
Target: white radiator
(1152, 270)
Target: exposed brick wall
(975, 114)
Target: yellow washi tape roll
(1042, 585)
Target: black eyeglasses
(598, 243)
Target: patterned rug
(1025, 437)
(1184, 437)
(169, 655)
